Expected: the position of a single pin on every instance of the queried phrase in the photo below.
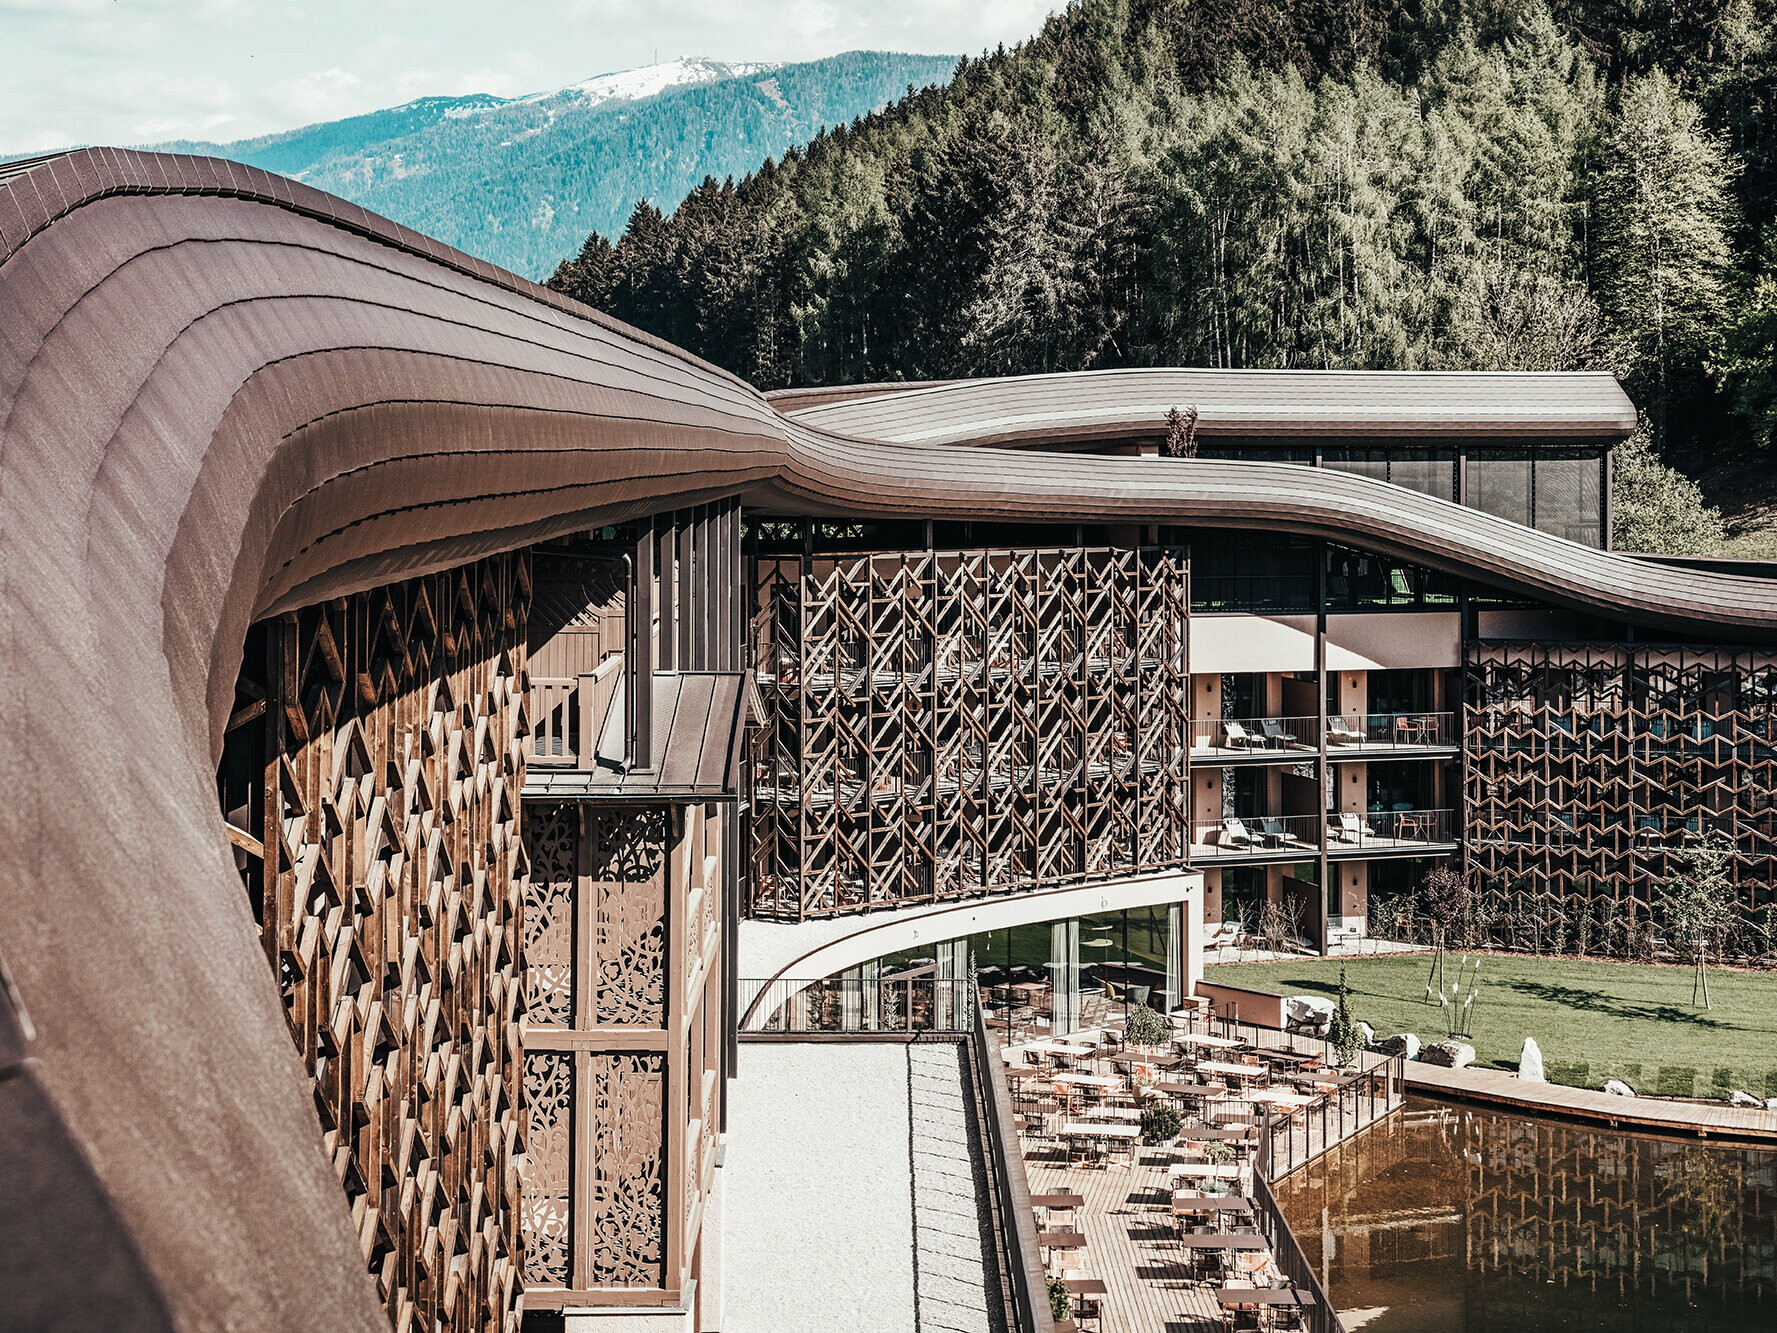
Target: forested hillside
(1335, 183)
(519, 181)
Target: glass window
(1499, 483)
(1567, 501)
(1428, 471)
(1363, 462)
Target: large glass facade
(1043, 979)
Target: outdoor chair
(1276, 735)
(1351, 828)
(1238, 737)
(1234, 834)
(1341, 732)
(1274, 832)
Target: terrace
(1186, 1236)
(1232, 742)
(1267, 838)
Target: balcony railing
(1269, 835)
(1388, 830)
(1255, 835)
(567, 714)
(853, 1004)
(1272, 593)
(1245, 737)
(1394, 731)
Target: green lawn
(1594, 1020)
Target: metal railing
(851, 1004)
(1255, 835)
(1253, 592)
(1318, 1315)
(1029, 1288)
(1389, 828)
(1238, 736)
(1371, 731)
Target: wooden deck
(1127, 1221)
(1651, 1114)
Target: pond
(1452, 1219)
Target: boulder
(1617, 1088)
(1404, 1044)
(1771, 1103)
(1367, 1032)
(1449, 1054)
(1307, 1013)
(1738, 1098)
(1530, 1063)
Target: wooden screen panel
(624, 1076)
(1591, 767)
(945, 723)
(370, 782)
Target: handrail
(1018, 1226)
(1318, 1316)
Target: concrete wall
(1250, 1006)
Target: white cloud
(126, 71)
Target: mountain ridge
(520, 181)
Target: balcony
(1249, 838)
(1266, 838)
(1255, 740)
(1391, 833)
(1393, 736)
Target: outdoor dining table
(1063, 1199)
(1286, 1057)
(1184, 1201)
(1061, 1240)
(1232, 1070)
(1224, 1240)
(1200, 1135)
(1078, 1130)
(1263, 1296)
(1205, 1170)
(1205, 1039)
(1085, 1286)
(1088, 1080)
(1117, 1113)
(1276, 1098)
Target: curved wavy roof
(1086, 406)
(223, 394)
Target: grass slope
(1593, 1019)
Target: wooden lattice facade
(370, 784)
(945, 723)
(1591, 766)
(622, 1045)
(631, 893)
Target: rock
(1307, 1013)
(1530, 1063)
(1368, 1033)
(1617, 1088)
(1771, 1103)
(1449, 1054)
(1402, 1043)
(1738, 1098)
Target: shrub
(1060, 1304)
(1346, 1037)
(1145, 1027)
(1160, 1123)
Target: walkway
(1652, 1114)
(854, 1192)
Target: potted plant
(1160, 1124)
(1144, 1027)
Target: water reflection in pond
(1449, 1219)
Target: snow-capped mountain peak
(633, 84)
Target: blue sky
(134, 71)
